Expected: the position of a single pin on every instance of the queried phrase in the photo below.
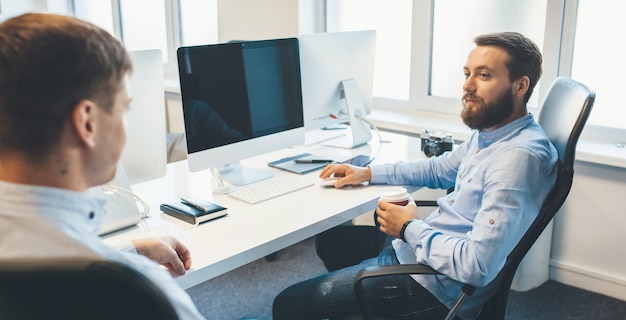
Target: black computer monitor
(240, 100)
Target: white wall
(589, 235)
(256, 20)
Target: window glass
(198, 20)
(58, 6)
(98, 12)
(143, 25)
(457, 22)
(9, 9)
(597, 58)
(392, 20)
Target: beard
(482, 115)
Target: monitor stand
(359, 131)
(240, 175)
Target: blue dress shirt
(501, 179)
(42, 222)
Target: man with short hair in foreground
(64, 90)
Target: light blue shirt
(41, 222)
(501, 179)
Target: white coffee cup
(397, 196)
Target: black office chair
(563, 115)
(78, 289)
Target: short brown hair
(48, 63)
(525, 59)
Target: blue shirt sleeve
(436, 172)
(473, 251)
(500, 179)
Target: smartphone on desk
(360, 160)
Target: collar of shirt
(59, 204)
(486, 138)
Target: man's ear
(84, 122)
(521, 86)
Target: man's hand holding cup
(395, 209)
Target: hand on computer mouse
(328, 182)
(348, 174)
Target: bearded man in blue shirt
(501, 176)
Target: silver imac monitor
(144, 157)
(240, 100)
(145, 154)
(337, 80)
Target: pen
(196, 203)
(313, 161)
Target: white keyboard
(270, 188)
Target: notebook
(289, 164)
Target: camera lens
(432, 149)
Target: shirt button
(91, 215)
(452, 200)
(477, 151)
(439, 211)
(491, 221)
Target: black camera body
(436, 143)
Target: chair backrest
(78, 289)
(563, 115)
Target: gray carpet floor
(248, 292)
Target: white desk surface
(250, 232)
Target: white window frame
(557, 49)
(610, 138)
(598, 144)
(422, 39)
(172, 25)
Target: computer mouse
(328, 182)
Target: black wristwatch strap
(406, 224)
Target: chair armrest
(379, 271)
(431, 203)
(426, 203)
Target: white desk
(250, 232)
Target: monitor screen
(326, 60)
(239, 100)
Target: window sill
(600, 152)
(415, 123)
(591, 148)
(588, 150)
(171, 84)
